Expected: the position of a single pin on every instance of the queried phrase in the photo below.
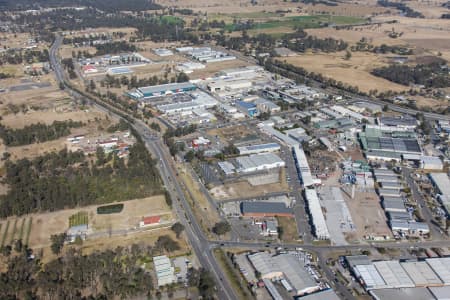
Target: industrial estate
(211, 150)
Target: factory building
(259, 162)
(421, 273)
(266, 106)
(441, 182)
(302, 166)
(260, 209)
(354, 115)
(392, 204)
(409, 228)
(160, 90)
(257, 149)
(393, 274)
(315, 210)
(284, 267)
(228, 85)
(227, 168)
(189, 67)
(200, 100)
(405, 122)
(242, 72)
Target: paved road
(201, 246)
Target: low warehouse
(259, 162)
(258, 209)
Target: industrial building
(189, 67)
(441, 183)
(391, 204)
(284, 267)
(227, 168)
(421, 273)
(165, 272)
(206, 54)
(409, 228)
(266, 106)
(160, 90)
(199, 100)
(299, 134)
(247, 108)
(441, 266)
(387, 145)
(315, 210)
(390, 185)
(163, 52)
(261, 148)
(354, 115)
(228, 85)
(405, 122)
(259, 162)
(384, 173)
(302, 166)
(258, 209)
(242, 72)
(393, 274)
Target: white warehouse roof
(370, 276)
(303, 166)
(421, 273)
(441, 266)
(258, 162)
(393, 274)
(320, 226)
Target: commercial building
(247, 108)
(259, 209)
(284, 267)
(150, 221)
(161, 90)
(260, 148)
(441, 182)
(199, 100)
(259, 162)
(165, 272)
(315, 210)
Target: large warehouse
(441, 182)
(260, 148)
(259, 162)
(160, 90)
(387, 145)
(315, 210)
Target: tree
(206, 284)
(348, 55)
(220, 228)
(177, 228)
(165, 242)
(189, 156)
(57, 242)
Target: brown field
(17, 40)
(231, 132)
(46, 224)
(367, 215)
(290, 233)
(355, 72)
(243, 189)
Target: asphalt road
(200, 245)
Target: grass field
(305, 22)
(290, 233)
(80, 218)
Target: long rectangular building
(393, 274)
(315, 209)
(258, 209)
(259, 162)
(441, 182)
(261, 148)
(161, 90)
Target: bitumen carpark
(29, 86)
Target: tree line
(65, 179)
(103, 5)
(406, 10)
(114, 48)
(16, 57)
(429, 75)
(37, 133)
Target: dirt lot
(355, 71)
(368, 216)
(290, 233)
(243, 189)
(229, 133)
(45, 224)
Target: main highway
(201, 246)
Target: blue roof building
(247, 108)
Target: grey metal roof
(165, 87)
(264, 207)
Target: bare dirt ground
(243, 189)
(355, 71)
(17, 40)
(367, 215)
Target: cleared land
(45, 224)
(355, 72)
(289, 228)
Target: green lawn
(310, 21)
(171, 20)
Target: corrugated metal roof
(265, 207)
(441, 266)
(393, 274)
(318, 219)
(369, 274)
(421, 273)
